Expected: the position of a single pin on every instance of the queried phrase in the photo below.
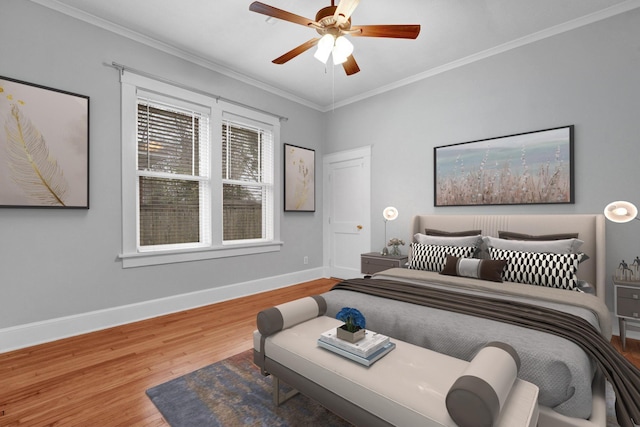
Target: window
(197, 176)
(247, 182)
(173, 176)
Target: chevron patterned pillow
(541, 269)
(434, 257)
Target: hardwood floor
(632, 353)
(99, 379)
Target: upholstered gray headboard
(590, 229)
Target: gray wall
(57, 263)
(588, 77)
(63, 262)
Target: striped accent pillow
(485, 269)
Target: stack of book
(366, 351)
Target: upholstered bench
(407, 387)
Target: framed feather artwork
(44, 146)
(299, 179)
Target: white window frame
(131, 255)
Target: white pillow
(564, 246)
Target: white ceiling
(225, 36)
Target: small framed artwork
(525, 168)
(299, 179)
(44, 146)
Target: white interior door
(347, 210)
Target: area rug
(232, 393)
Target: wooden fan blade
(274, 12)
(344, 10)
(391, 31)
(350, 66)
(296, 51)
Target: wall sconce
(621, 212)
(389, 214)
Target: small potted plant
(354, 324)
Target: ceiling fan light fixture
(337, 59)
(325, 46)
(342, 49)
(331, 22)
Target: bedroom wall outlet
(305, 260)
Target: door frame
(363, 153)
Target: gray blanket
(561, 368)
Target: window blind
(246, 191)
(172, 169)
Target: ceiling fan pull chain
(333, 89)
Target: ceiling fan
(333, 23)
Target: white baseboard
(27, 335)
(21, 336)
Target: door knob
(359, 227)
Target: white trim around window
(134, 86)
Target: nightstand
(627, 305)
(374, 262)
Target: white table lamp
(389, 214)
(621, 212)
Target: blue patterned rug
(232, 393)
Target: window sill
(142, 259)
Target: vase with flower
(353, 329)
(394, 244)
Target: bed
(572, 390)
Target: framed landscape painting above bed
(526, 168)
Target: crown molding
(172, 50)
(617, 9)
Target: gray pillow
(459, 241)
(434, 232)
(283, 316)
(564, 246)
(479, 394)
(465, 241)
(510, 235)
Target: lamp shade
(390, 213)
(620, 211)
(342, 49)
(325, 46)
